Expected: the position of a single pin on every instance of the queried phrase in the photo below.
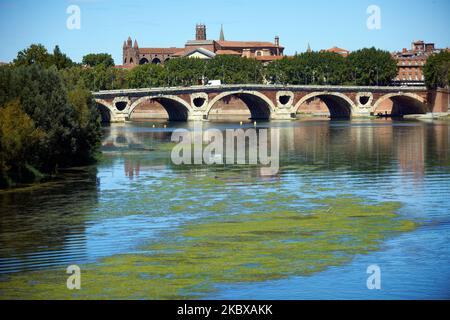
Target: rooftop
(247, 44)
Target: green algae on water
(235, 248)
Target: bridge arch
(260, 106)
(403, 104)
(339, 105)
(176, 108)
(105, 109)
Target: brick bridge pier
(275, 102)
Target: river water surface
(348, 195)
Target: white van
(214, 83)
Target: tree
(234, 70)
(18, 140)
(71, 136)
(38, 54)
(185, 71)
(60, 60)
(147, 76)
(281, 71)
(95, 59)
(308, 68)
(371, 66)
(436, 70)
(35, 54)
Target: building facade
(410, 63)
(202, 48)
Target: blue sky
(105, 24)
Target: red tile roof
(246, 44)
(341, 51)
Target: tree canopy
(38, 54)
(309, 68)
(437, 71)
(95, 59)
(36, 100)
(372, 66)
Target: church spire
(309, 48)
(222, 35)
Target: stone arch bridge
(269, 102)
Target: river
(348, 195)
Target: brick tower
(200, 32)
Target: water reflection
(355, 146)
(42, 227)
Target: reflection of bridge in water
(267, 101)
(372, 146)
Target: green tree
(280, 71)
(87, 123)
(234, 70)
(60, 60)
(38, 54)
(68, 139)
(95, 59)
(370, 66)
(18, 140)
(318, 68)
(436, 70)
(147, 76)
(35, 54)
(185, 71)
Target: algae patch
(234, 248)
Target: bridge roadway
(272, 101)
